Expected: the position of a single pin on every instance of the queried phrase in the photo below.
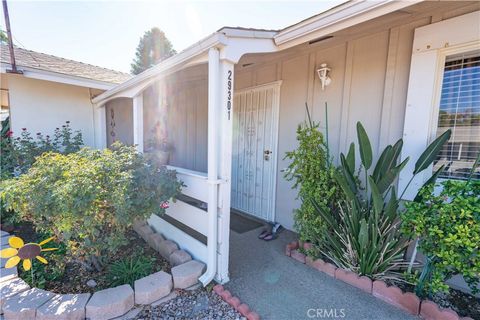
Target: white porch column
(212, 167)
(138, 121)
(225, 167)
(100, 123)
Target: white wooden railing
(197, 219)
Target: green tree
(3, 37)
(152, 48)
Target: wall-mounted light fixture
(324, 75)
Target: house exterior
(230, 104)
(51, 90)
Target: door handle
(266, 154)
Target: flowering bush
(90, 197)
(19, 153)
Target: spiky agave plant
(363, 235)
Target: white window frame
(431, 45)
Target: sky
(106, 33)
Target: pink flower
(165, 205)
(9, 133)
(24, 129)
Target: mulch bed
(464, 304)
(75, 277)
(198, 304)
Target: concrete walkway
(278, 287)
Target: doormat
(241, 224)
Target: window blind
(460, 112)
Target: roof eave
(341, 17)
(216, 39)
(39, 74)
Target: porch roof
(251, 40)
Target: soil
(466, 305)
(75, 277)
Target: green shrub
(19, 153)
(363, 235)
(128, 270)
(312, 173)
(89, 198)
(448, 225)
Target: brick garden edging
(235, 302)
(19, 301)
(393, 295)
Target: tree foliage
(89, 198)
(152, 49)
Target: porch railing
(186, 214)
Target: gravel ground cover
(196, 304)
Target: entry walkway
(280, 288)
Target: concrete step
(64, 307)
(179, 257)
(25, 304)
(187, 274)
(10, 288)
(110, 303)
(153, 287)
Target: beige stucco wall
(41, 106)
(370, 67)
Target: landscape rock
(144, 231)
(24, 305)
(8, 273)
(10, 288)
(166, 248)
(110, 303)
(153, 287)
(154, 240)
(179, 257)
(64, 307)
(91, 283)
(187, 274)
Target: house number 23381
(229, 92)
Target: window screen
(460, 112)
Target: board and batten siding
(369, 84)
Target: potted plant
(158, 148)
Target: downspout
(212, 178)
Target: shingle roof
(46, 62)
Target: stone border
(235, 302)
(19, 301)
(393, 295)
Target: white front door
(254, 154)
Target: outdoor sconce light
(324, 75)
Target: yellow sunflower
(19, 250)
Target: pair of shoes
(268, 235)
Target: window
(459, 111)
(448, 50)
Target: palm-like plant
(363, 235)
